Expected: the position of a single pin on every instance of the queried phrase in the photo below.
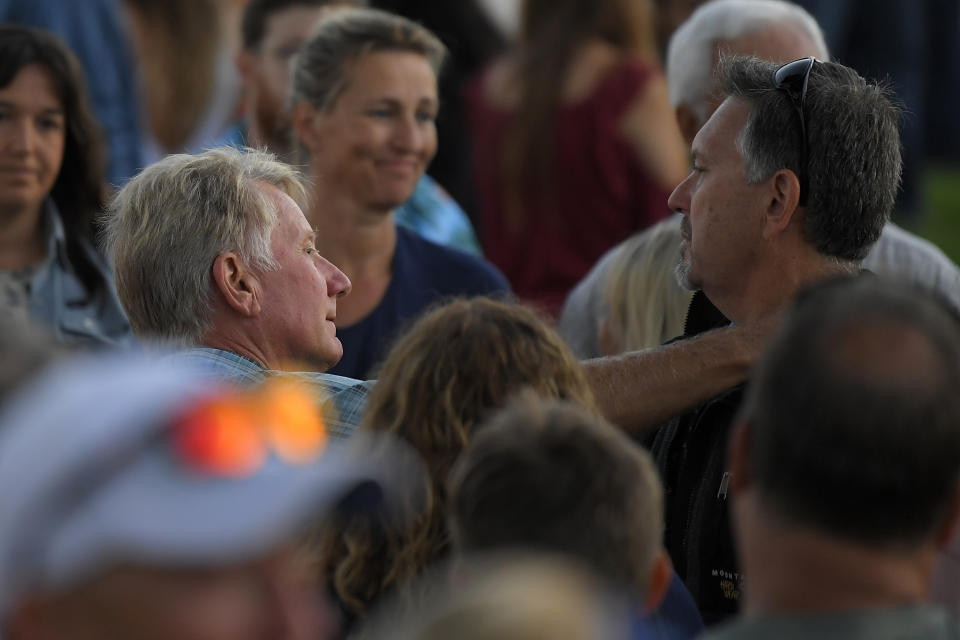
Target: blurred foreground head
(444, 377)
(551, 478)
(146, 502)
(514, 597)
(851, 429)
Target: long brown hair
(79, 190)
(552, 32)
(440, 381)
(178, 43)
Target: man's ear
(738, 456)
(660, 578)
(304, 115)
(688, 122)
(238, 286)
(784, 198)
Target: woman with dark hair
(51, 190)
(576, 146)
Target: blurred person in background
(51, 189)
(474, 37)
(440, 381)
(166, 510)
(631, 299)
(844, 467)
(272, 33)
(96, 31)
(575, 144)
(212, 254)
(187, 80)
(645, 305)
(365, 102)
(548, 477)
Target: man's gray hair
(690, 77)
(166, 226)
(853, 164)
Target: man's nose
(338, 284)
(679, 200)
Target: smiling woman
(51, 189)
(365, 105)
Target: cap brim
(151, 517)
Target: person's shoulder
(222, 365)
(448, 266)
(908, 245)
(906, 256)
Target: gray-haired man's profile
(212, 252)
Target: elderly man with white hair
(212, 253)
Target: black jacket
(690, 451)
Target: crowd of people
(674, 373)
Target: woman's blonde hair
(456, 365)
(645, 304)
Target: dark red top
(602, 191)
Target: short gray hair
(690, 77)
(321, 69)
(853, 164)
(166, 226)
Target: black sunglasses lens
(792, 77)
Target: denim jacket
(59, 299)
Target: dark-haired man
(845, 466)
(272, 32)
(794, 177)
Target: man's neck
(767, 291)
(793, 569)
(240, 347)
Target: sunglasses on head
(792, 79)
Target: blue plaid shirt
(349, 396)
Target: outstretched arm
(642, 389)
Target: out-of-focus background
(181, 55)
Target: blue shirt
(434, 215)
(422, 273)
(677, 617)
(349, 396)
(60, 300)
